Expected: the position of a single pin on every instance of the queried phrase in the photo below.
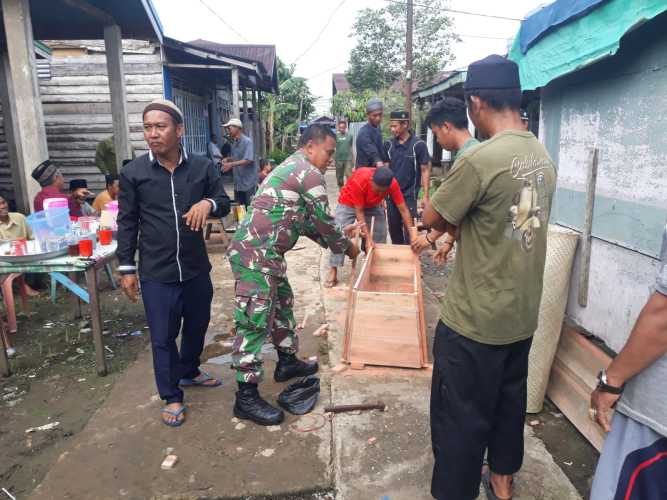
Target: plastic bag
(300, 397)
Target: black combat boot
(289, 366)
(250, 406)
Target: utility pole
(408, 61)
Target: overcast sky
(293, 25)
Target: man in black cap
(499, 195)
(411, 163)
(370, 152)
(360, 202)
(78, 189)
(165, 199)
(52, 182)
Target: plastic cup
(86, 248)
(106, 236)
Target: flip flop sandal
(488, 487)
(174, 413)
(200, 381)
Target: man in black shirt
(411, 163)
(370, 152)
(166, 197)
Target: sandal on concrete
(202, 380)
(174, 413)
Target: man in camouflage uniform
(291, 202)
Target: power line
(223, 21)
(456, 11)
(326, 70)
(319, 35)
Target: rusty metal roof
(262, 54)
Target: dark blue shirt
(406, 160)
(369, 146)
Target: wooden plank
(573, 378)
(572, 397)
(586, 235)
(85, 69)
(130, 80)
(384, 331)
(98, 89)
(81, 98)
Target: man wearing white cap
(242, 163)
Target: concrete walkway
(364, 456)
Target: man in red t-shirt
(360, 201)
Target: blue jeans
(169, 306)
(346, 215)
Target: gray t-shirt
(246, 177)
(645, 396)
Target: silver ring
(592, 413)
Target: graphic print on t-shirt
(529, 210)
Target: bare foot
(31, 292)
(332, 278)
(502, 485)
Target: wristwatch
(603, 385)
(431, 242)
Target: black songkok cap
(401, 116)
(494, 72)
(383, 176)
(44, 173)
(77, 184)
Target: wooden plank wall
(77, 111)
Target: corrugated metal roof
(340, 82)
(262, 54)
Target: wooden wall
(77, 112)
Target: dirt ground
(54, 380)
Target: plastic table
(57, 267)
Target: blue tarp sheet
(551, 16)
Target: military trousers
(343, 171)
(263, 308)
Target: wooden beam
(244, 114)
(23, 112)
(255, 124)
(198, 66)
(586, 235)
(235, 92)
(113, 43)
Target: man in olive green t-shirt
(498, 195)
(343, 156)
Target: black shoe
(250, 406)
(289, 366)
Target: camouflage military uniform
(291, 202)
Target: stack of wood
(573, 378)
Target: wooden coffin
(385, 317)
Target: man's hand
(354, 230)
(130, 286)
(420, 244)
(440, 256)
(197, 215)
(81, 194)
(352, 251)
(602, 404)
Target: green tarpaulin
(582, 41)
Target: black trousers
(169, 306)
(397, 231)
(244, 197)
(478, 403)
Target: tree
(285, 111)
(378, 59)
